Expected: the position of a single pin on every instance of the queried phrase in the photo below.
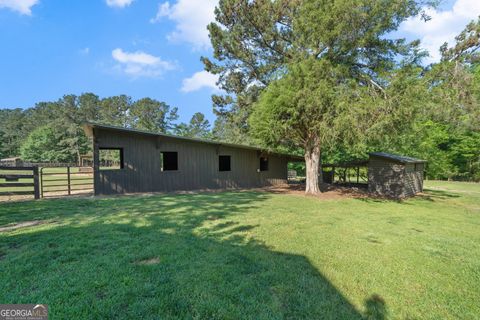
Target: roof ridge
(396, 157)
(199, 140)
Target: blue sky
(142, 48)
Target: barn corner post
(96, 163)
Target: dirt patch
(73, 193)
(16, 198)
(329, 192)
(23, 224)
(48, 195)
(148, 262)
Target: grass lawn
(247, 255)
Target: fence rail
(9, 181)
(66, 181)
(19, 163)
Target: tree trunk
(312, 164)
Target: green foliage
(298, 167)
(89, 107)
(2, 152)
(451, 155)
(198, 127)
(13, 132)
(254, 41)
(445, 113)
(251, 40)
(306, 104)
(45, 144)
(109, 158)
(114, 110)
(152, 115)
(467, 44)
(332, 85)
(374, 93)
(228, 131)
(466, 156)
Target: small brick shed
(394, 175)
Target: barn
(394, 175)
(131, 161)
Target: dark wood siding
(385, 178)
(197, 165)
(413, 179)
(394, 179)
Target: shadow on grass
(376, 307)
(379, 199)
(177, 257)
(427, 195)
(432, 195)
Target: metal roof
(88, 126)
(396, 157)
(11, 159)
(349, 164)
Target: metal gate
(66, 181)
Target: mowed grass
(247, 255)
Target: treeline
(52, 131)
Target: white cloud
(140, 64)
(443, 26)
(85, 51)
(199, 80)
(21, 6)
(191, 18)
(119, 3)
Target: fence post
(36, 186)
(68, 178)
(41, 182)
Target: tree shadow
(433, 195)
(375, 307)
(427, 195)
(173, 257)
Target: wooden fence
(12, 181)
(23, 181)
(66, 181)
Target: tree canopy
(313, 65)
(198, 127)
(45, 144)
(327, 77)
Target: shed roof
(11, 159)
(396, 157)
(89, 126)
(349, 164)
